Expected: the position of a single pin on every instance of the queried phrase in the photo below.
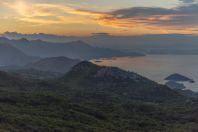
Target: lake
(158, 67)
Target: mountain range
(150, 44)
(59, 91)
(75, 49)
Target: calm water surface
(158, 67)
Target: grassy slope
(49, 112)
(77, 105)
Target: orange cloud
(50, 13)
(130, 20)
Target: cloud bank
(182, 19)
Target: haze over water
(158, 67)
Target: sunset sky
(84, 17)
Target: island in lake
(179, 78)
(175, 81)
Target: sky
(85, 17)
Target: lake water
(158, 67)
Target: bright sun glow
(21, 7)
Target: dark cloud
(100, 34)
(141, 12)
(188, 1)
(181, 16)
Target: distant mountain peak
(24, 40)
(57, 58)
(59, 64)
(78, 42)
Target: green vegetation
(94, 99)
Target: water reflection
(158, 67)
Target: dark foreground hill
(94, 79)
(11, 82)
(91, 98)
